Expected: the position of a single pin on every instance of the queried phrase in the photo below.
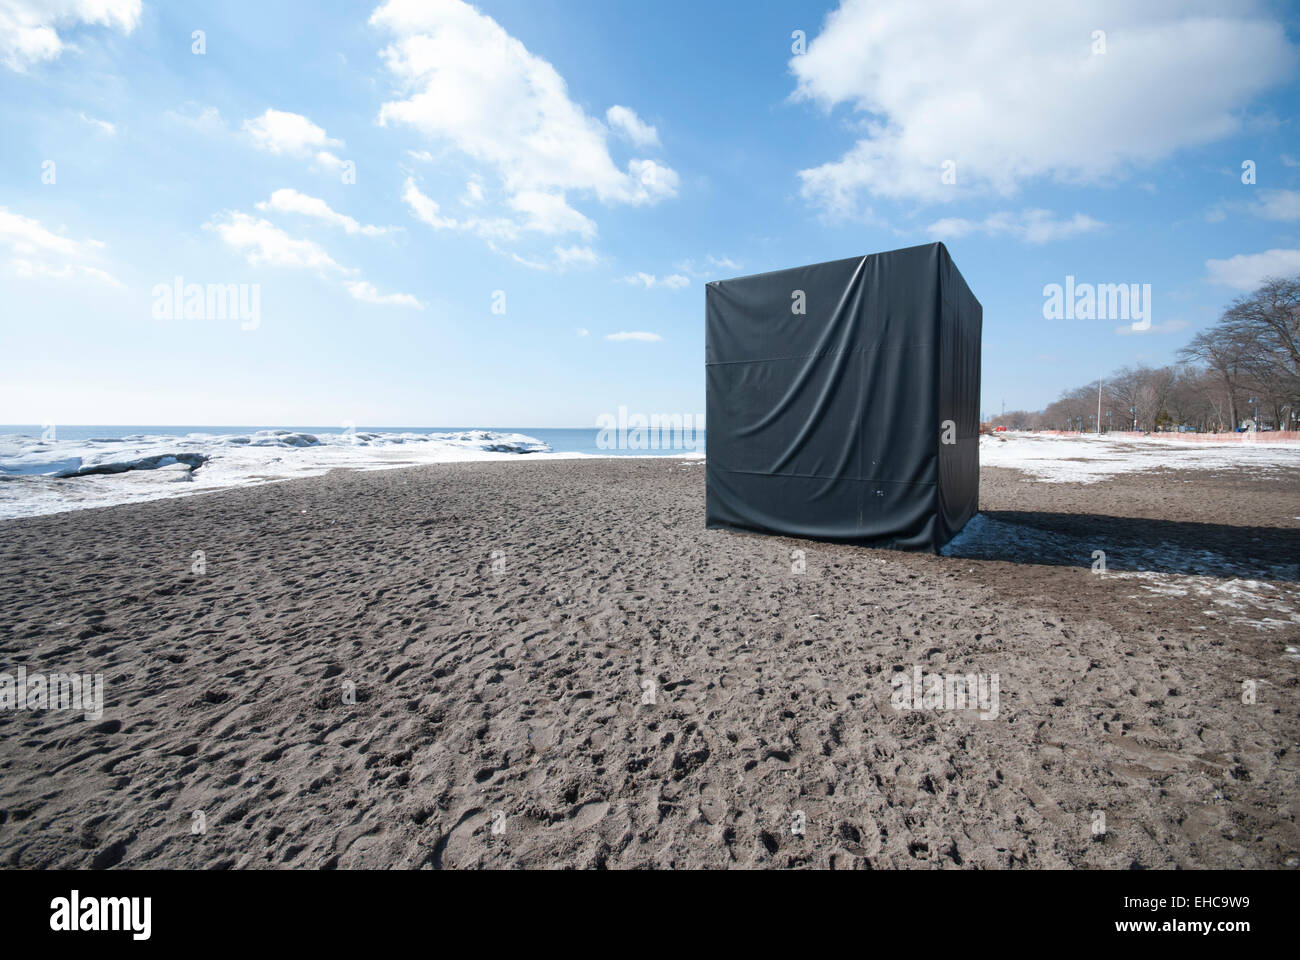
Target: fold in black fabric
(830, 423)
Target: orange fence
(1261, 436)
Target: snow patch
(1262, 595)
(1089, 459)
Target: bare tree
(1226, 357)
(1138, 394)
(1270, 320)
(1250, 355)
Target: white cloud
(288, 200)
(103, 276)
(473, 195)
(545, 213)
(1289, 161)
(583, 331)
(329, 161)
(532, 263)
(561, 258)
(1270, 204)
(648, 182)
(103, 126)
(468, 83)
(549, 213)
(579, 256)
(366, 292)
(29, 29)
(1278, 205)
(492, 228)
(38, 252)
(674, 281)
(1011, 92)
(1029, 226)
(292, 134)
(264, 244)
(624, 120)
(1172, 326)
(29, 269)
(424, 208)
(281, 132)
(710, 266)
(1246, 271)
(633, 335)
(25, 235)
(208, 121)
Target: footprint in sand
(589, 814)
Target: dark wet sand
(514, 697)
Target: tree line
(1246, 366)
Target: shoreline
(161, 480)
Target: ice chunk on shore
(191, 460)
(48, 476)
(281, 438)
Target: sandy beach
(553, 664)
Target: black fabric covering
(829, 424)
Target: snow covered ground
(1259, 595)
(1087, 459)
(1255, 594)
(39, 477)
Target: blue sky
(487, 158)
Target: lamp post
(1099, 378)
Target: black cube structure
(843, 400)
